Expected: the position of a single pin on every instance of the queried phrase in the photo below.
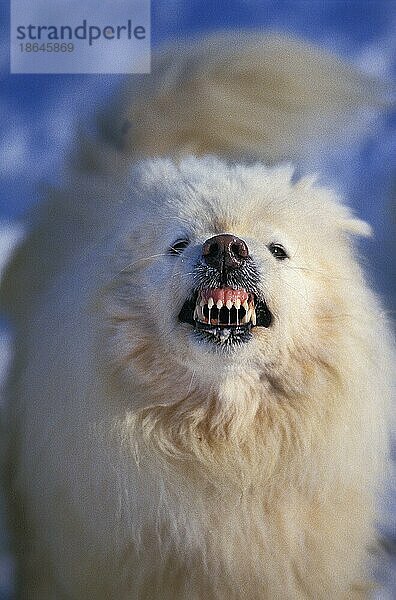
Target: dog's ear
(348, 223)
(357, 227)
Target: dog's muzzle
(225, 314)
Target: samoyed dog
(199, 403)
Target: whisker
(130, 265)
(317, 272)
(191, 383)
(305, 298)
(180, 274)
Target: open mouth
(225, 315)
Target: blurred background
(39, 115)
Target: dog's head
(233, 266)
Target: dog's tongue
(225, 294)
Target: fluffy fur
(144, 464)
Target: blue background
(39, 112)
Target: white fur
(149, 466)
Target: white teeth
(249, 316)
(245, 318)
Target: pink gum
(225, 294)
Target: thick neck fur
(247, 429)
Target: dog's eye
(178, 246)
(278, 251)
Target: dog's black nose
(225, 252)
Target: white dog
(199, 403)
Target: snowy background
(40, 113)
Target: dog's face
(233, 268)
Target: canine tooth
(202, 302)
(229, 304)
(237, 304)
(195, 313)
(253, 317)
(246, 305)
(210, 303)
(219, 304)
